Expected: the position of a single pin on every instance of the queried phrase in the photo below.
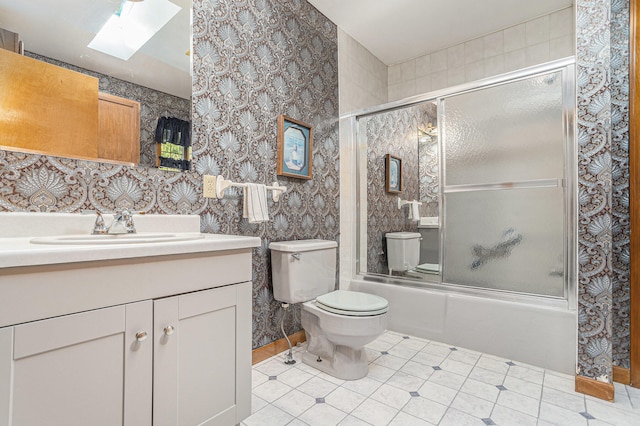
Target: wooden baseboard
(621, 375)
(595, 388)
(267, 351)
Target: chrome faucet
(122, 224)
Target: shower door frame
(567, 68)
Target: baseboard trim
(267, 351)
(595, 388)
(621, 375)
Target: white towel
(255, 203)
(414, 211)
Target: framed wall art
(295, 142)
(393, 167)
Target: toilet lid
(353, 303)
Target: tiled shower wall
(363, 77)
(602, 54)
(533, 42)
(253, 60)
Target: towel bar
(222, 184)
(402, 203)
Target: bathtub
(543, 336)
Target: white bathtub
(536, 335)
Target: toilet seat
(428, 268)
(352, 303)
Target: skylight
(132, 25)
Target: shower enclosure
(493, 166)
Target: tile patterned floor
(413, 381)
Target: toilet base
(346, 363)
(339, 341)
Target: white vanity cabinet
(81, 369)
(96, 367)
(126, 334)
(202, 357)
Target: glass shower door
(504, 192)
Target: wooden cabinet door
(82, 369)
(118, 129)
(202, 364)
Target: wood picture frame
(393, 172)
(295, 144)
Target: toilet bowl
(338, 324)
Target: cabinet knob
(141, 336)
(168, 330)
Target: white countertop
(18, 229)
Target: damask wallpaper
(253, 60)
(602, 121)
(620, 176)
(396, 133)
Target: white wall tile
(561, 23)
(455, 56)
(531, 43)
(473, 50)
(474, 71)
(408, 88)
(439, 61)
(439, 80)
(561, 47)
(494, 66)
(395, 92)
(538, 30)
(408, 70)
(423, 66)
(395, 75)
(515, 60)
(455, 76)
(423, 84)
(538, 53)
(363, 78)
(493, 44)
(515, 38)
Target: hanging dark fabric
(175, 164)
(174, 136)
(173, 130)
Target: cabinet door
(81, 369)
(202, 364)
(118, 129)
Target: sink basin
(116, 239)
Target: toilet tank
(302, 270)
(403, 250)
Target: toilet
(403, 251)
(338, 323)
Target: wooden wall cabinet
(46, 109)
(50, 110)
(118, 129)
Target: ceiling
(62, 29)
(399, 30)
(394, 31)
